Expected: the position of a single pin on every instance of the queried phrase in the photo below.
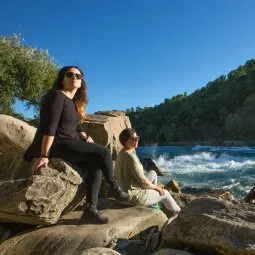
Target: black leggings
(92, 158)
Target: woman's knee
(153, 173)
(102, 150)
(107, 153)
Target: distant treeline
(222, 110)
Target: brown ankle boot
(117, 192)
(93, 215)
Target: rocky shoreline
(39, 214)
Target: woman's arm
(47, 141)
(43, 160)
(149, 185)
(138, 172)
(53, 106)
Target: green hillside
(222, 110)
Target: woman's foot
(120, 195)
(117, 192)
(93, 215)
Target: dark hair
(126, 134)
(80, 98)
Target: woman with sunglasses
(142, 187)
(61, 135)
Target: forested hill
(222, 110)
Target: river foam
(215, 167)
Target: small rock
(173, 186)
(100, 251)
(251, 196)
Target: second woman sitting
(142, 188)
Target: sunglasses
(77, 76)
(135, 138)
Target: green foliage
(26, 73)
(222, 110)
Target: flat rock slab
(71, 237)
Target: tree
(26, 73)
(234, 126)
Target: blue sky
(137, 52)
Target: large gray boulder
(35, 199)
(71, 237)
(105, 127)
(150, 164)
(14, 134)
(213, 226)
(13, 167)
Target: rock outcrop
(173, 186)
(112, 113)
(213, 226)
(105, 128)
(15, 135)
(70, 237)
(40, 199)
(35, 199)
(250, 198)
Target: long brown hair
(80, 98)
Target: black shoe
(119, 194)
(93, 215)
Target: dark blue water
(199, 167)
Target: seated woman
(61, 135)
(131, 178)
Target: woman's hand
(160, 190)
(39, 162)
(88, 139)
(148, 185)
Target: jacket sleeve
(80, 128)
(54, 109)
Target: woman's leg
(93, 183)
(81, 152)
(154, 197)
(152, 176)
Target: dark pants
(92, 158)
